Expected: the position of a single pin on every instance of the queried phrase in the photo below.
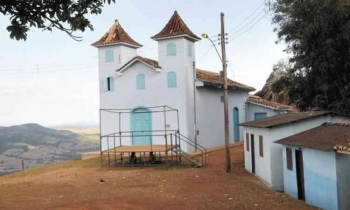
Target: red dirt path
(77, 185)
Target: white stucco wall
(274, 176)
(262, 164)
(210, 115)
(156, 93)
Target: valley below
(30, 145)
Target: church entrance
(141, 126)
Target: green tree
(317, 34)
(66, 15)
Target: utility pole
(195, 105)
(224, 67)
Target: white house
(263, 157)
(129, 81)
(316, 166)
(258, 108)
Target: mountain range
(37, 145)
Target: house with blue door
(130, 81)
(259, 108)
(316, 166)
(263, 157)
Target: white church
(141, 94)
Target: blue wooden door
(259, 115)
(236, 124)
(141, 127)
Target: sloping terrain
(36, 145)
(85, 185)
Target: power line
(205, 54)
(235, 37)
(62, 70)
(247, 17)
(262, 11)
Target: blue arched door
(236, 124)
(141, 127)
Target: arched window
(172, 81)
(109, 56)
(171, 49)
(189, 49)
(140, 82)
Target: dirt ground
(84, 185)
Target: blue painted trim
(236, 124)
(109, 56)
(189, 49)
(171, 49)
(140, 82)
(131, 122)
(172, 80)
(260, 115)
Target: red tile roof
(214, 79)
(257, 100)
(286, 118)
(175, 27)
(150, 62)
(324, 138)
(116, 35)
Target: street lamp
(224, 68)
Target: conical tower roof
(116, 35)
(176, 27)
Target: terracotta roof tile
(257, 100)
(213, 78)
(150, 62)
(175, 27)
(325, 138)
(116, 35)
(286, 118)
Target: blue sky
(53, 80)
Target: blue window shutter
(111, 83)
(172, 83)
(189, 48)
(260, 115)
(104, 85)
(140, 82)
(171, 49)
(109, 56)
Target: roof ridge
(174, 28)
(116, 35)
(336, 124)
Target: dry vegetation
(84, 185)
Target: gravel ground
(78, 187)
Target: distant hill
(38, 145)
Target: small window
(247, 141)
(109, 56)
(261, 146)
(171, 49)
(260, 115)
(189, 48)
(172, 81)
(222, 99)
(140, 82)
(289, 159)
(108, 84)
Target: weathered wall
(343, 178)
(319, 177)
(210, 115)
